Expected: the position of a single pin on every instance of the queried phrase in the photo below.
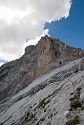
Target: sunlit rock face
(48, 51)
(37, 60)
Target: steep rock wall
(36, 61)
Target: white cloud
(35, 40)
(1, 63)
(22, 19)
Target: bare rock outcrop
(36, 61)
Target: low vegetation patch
(29, 117)
(75, 104)
(73, 122)
(71, 99)
(78, 89)
(45, 101)
(78, 92)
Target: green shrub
(71, 99)
(29, 117)
(43, 103)
(77, 94)
(78, 89)
(73, 122)
(75, 104)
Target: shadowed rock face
(36, 61)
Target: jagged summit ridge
(49, 53)
(60, 49)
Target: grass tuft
(73, 122)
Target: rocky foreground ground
(46, 100)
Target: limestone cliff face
(44, 59)
(48, 51)
(36, 61)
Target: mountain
(46, 55)
(36, 88)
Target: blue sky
(71, 29)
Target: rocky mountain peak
(37, 60)
(29, 49)
(58, 48)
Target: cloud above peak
(22, 19)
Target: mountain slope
(37, 60)
(46, 100)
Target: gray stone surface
(37, 60)
(46, 98)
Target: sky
(71, 29)
(23, 22)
